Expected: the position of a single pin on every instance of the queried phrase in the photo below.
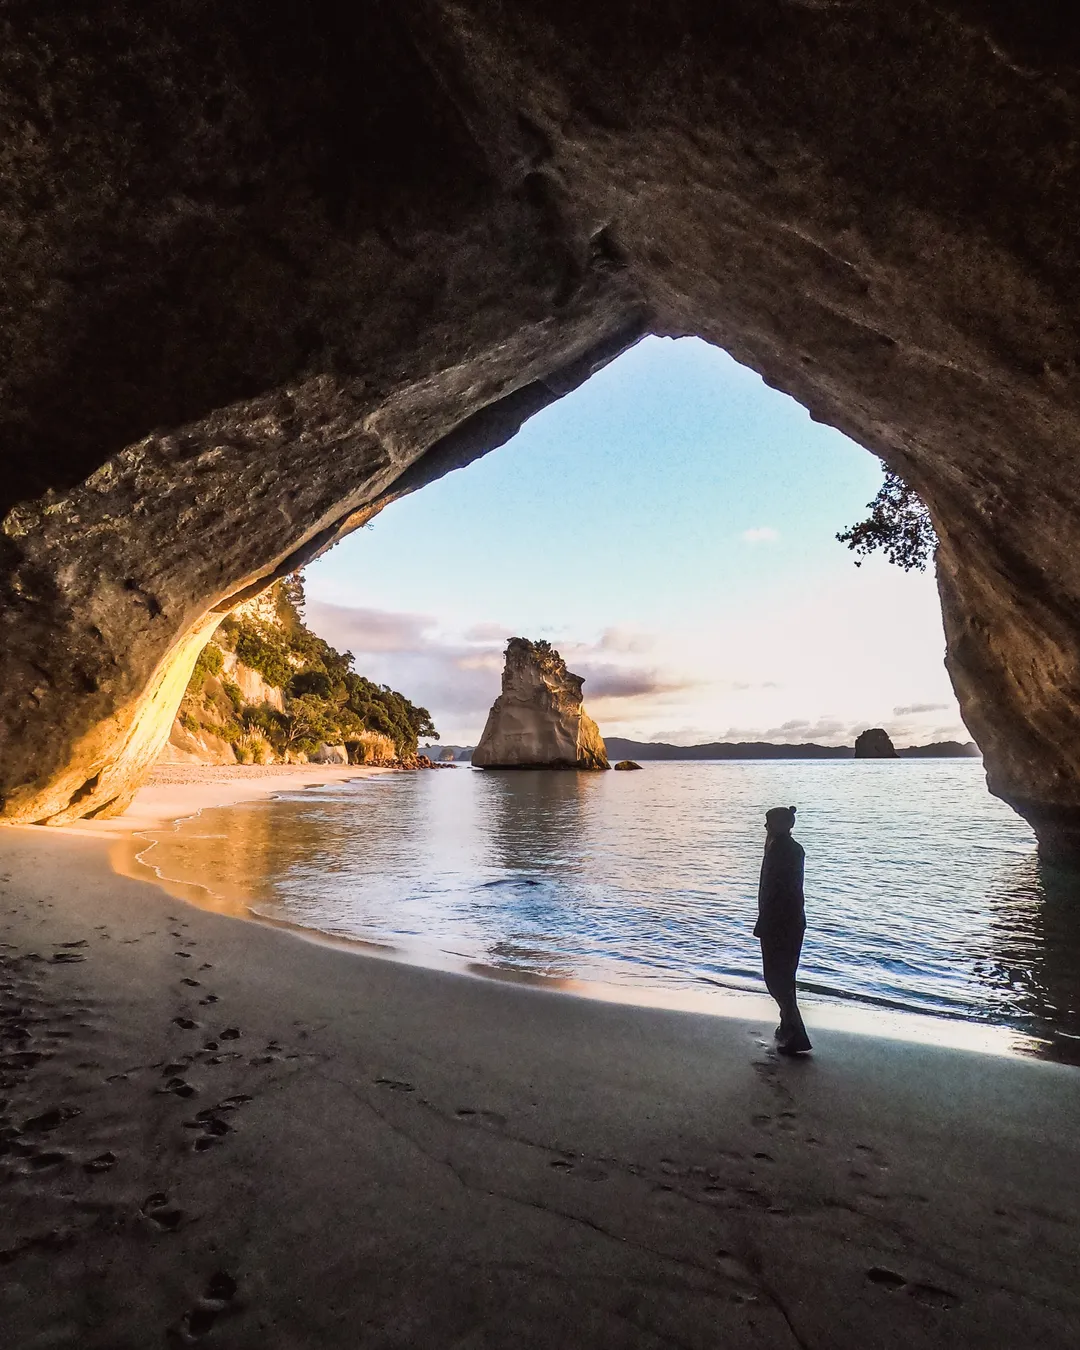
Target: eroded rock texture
(265, 266)
(539, 721)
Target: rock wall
(538, 721)
(250, 683)
(264, 268)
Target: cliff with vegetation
(266, 690)
(539, 721)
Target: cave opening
(693, 504)
(270, 268)
(671, 523)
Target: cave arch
(267, 268)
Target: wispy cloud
(633, 684)
(370, 630)
(761, 534)
(487, 632)
(607, 683)
(458, 677)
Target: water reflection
(924, 893)
(1034, 962)
(536, 825)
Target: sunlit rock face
(264, 268)
(538, 721)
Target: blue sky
(670, 527)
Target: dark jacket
(780, 892)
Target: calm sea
(924, 894)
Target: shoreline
(175, 794)
(212, 1130)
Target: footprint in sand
(210, 998)
(185, 1023)
(179, 1087)
(208, 1122)
(928, 1294)
(211, 1129)
(230, 1034)
(579, 1168)
(50, 1120)
(52, 1158)
(472, 1116)
(161, 1213)
(395, 1084)
(104, 1162)
(220, 1292)
(191, 984)
(729, 1265)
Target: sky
(670, 528)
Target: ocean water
(924, 893)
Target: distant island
(618, 748)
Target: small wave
(509, 883)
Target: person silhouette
(781, 924)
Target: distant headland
(618, 748)
(623, 749)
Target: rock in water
(537, 722)
(874, 744)
(627, 764)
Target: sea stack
(538, 721)
(874, 744)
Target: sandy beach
(215, 1133)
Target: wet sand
(214, 1133)
(175, 791)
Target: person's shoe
(794, 1045)
(779, 1033)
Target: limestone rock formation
(329, 754)
(264, 269)
(538, 721)
(627, 764)
(874, 743)
(252, 685)
(195, 746)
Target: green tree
(257, 650)
(325, 700)
(311, 681)
(899, 524)
(306, 724)
(209, 662)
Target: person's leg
(796, 1041)
(780, 962)
(775, 966)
